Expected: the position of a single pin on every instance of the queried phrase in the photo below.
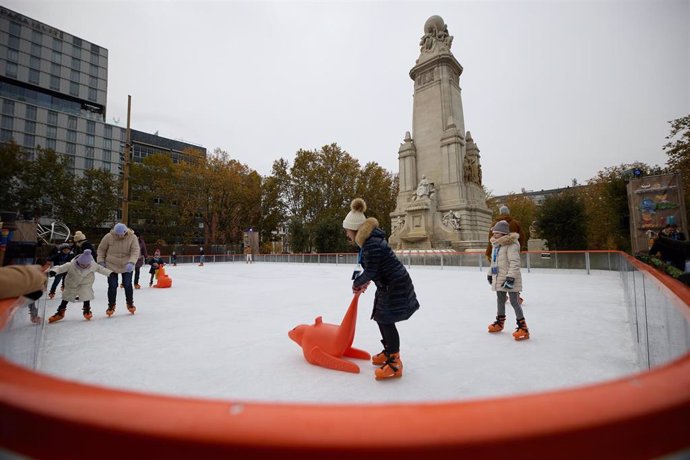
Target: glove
(490, 279)
(34, 295)
(129, 267)
(509, 282)
(52, 273)
(102, 263)
(361, 288)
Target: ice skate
(497, 326)
(137, 286)
(35, 319)
(131, 308)
(57, 316)
(391, 369)
(380, 358)
(87, 314)
(51, 295)
(111, 310)
(521, 332)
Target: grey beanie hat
(501, 227)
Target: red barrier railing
(637, 417)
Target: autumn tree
(522, 208)
(561, 221)
(95, 200)
(379, 188)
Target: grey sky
(552, 90)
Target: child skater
(62, 256)
(79, 283)
(504, 277)
(156, 261)
(395, 299)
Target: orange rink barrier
(641, 416)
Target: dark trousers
(56, 282)
(112, 288)
(390, 336)
(136, 274)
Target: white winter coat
(79, 281)
(507, 258)
(118, 252)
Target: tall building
(53, 93)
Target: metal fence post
(587, 261)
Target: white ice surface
(221, 332)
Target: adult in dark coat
(143, 255)
(395, 299)
(514, 226)
(81, 243)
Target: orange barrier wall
(640, 416)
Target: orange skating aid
(325, 344)
(164, 281)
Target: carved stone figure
(398, 223)
(424, 189)
(451, 219)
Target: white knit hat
(355, 218)
(79, 236)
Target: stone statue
(451, 219)
(424, 189)
(435, 36)
(398, 223)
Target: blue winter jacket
(395, 299)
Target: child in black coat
(395, 298)
(156, 262)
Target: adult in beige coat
(22, 280)
(505, 278)
(119, 251)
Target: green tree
(379, 188)
(12, 161)
(95, 200)
(329, 235)
(561, 221)
(45, 186)
(299, 237)
(678, 151)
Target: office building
(53, 94)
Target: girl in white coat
(78, 283)
(505, 278)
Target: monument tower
(441, 203)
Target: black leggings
(63, 305)
(391, 339)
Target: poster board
(654, 202)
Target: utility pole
(125, 167)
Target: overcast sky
(552, 90)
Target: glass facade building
(53, 92)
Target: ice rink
(221, 332)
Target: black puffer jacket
(395, 298)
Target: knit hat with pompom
(355, 218)
(85, 259)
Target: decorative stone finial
(436, 37)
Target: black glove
(52, 273)
(509, 282)
(34, 295)
(490, 279)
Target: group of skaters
(395, 299)
(120, 256)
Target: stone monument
(441, 203)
